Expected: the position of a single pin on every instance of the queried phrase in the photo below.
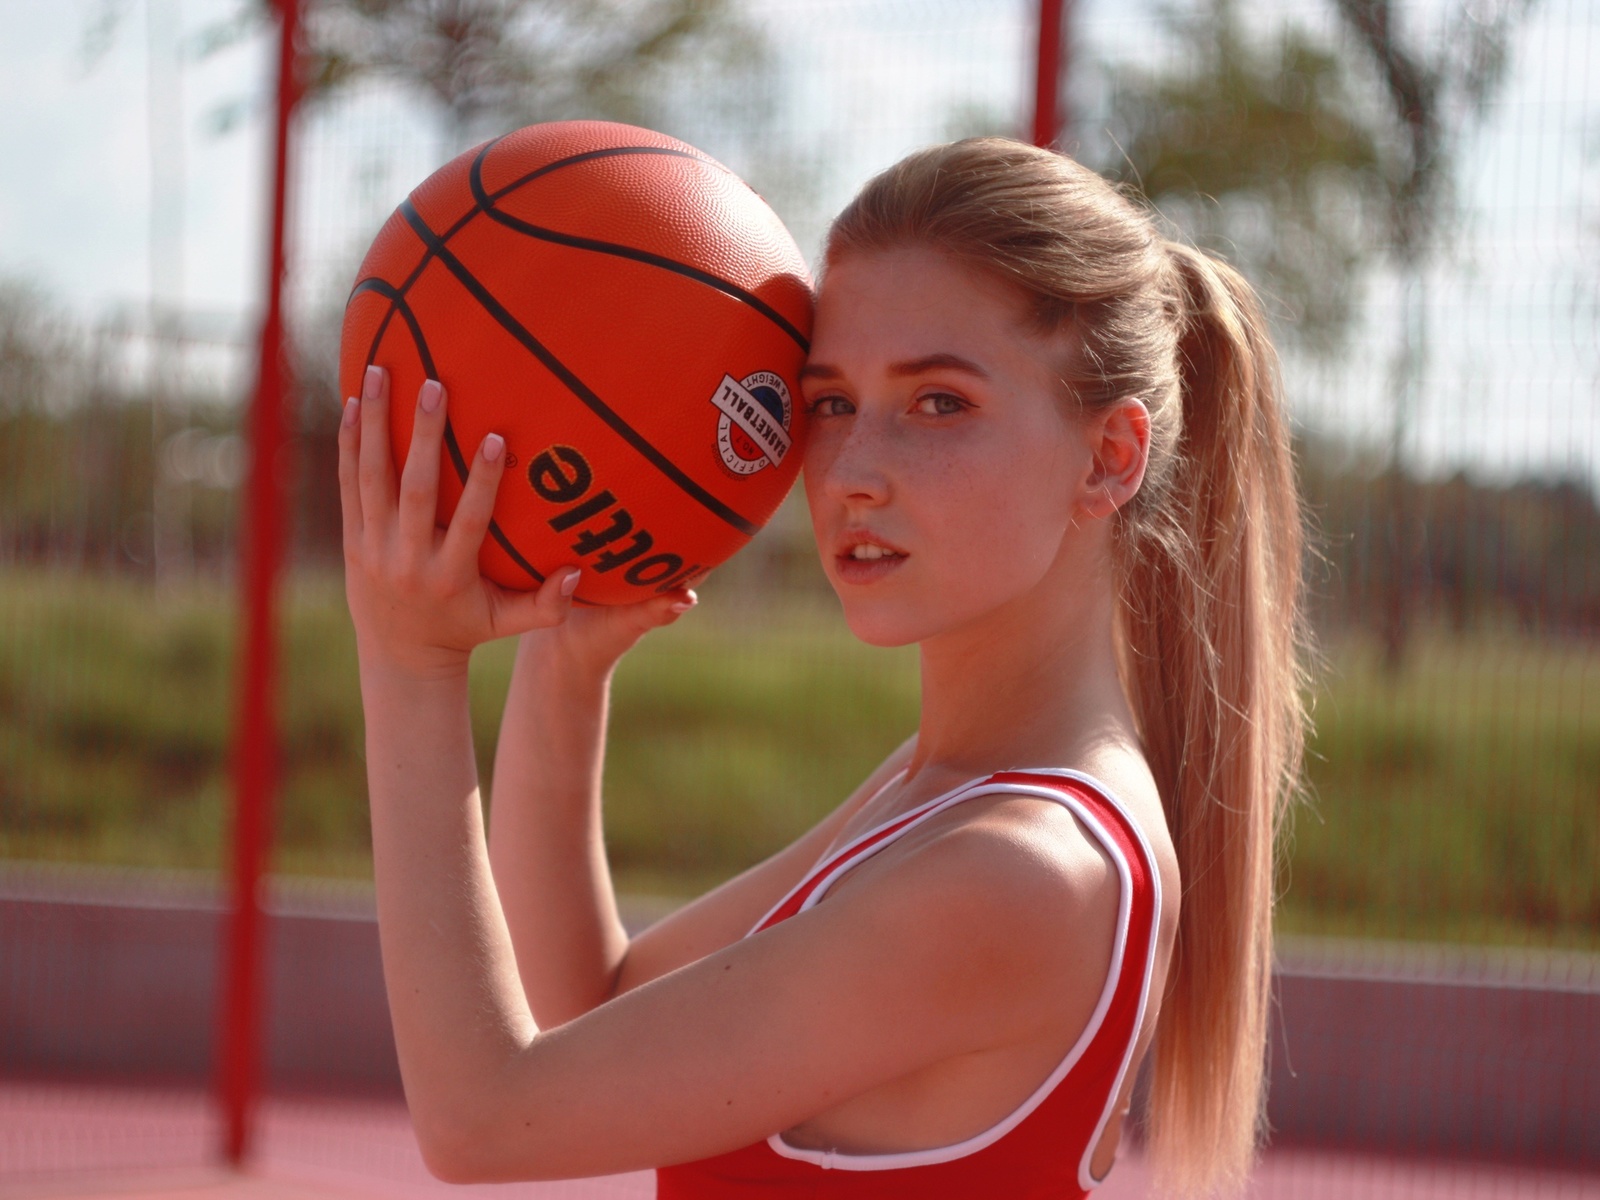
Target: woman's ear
(1119, 443)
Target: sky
(1514, 373)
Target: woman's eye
(940, 404)
(831, 406)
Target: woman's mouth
(865, 562)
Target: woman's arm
(968, 943)
(419, 608)
(546, 844)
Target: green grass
(1459, 802)
(731, 732)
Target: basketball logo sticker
(753, 428)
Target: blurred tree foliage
(1524, 553)
(1433, 88)
(40, 351)
(1262, 150)
(78, 463)
(492, 65)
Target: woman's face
(943, 470)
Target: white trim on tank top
(855, 851)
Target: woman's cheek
(989, 537)
(1010, 515)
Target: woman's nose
(856, 461)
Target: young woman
(1048, 447)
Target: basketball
(629, 315)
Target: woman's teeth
(871, 552)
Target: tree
(1435, 94)
(1258, 149)
(493, 64)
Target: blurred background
(1414, 186)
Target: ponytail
(1212, 640)
(1210, 631)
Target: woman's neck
(1033, 683)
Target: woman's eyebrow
(930, 362)
(910, 366)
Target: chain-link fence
(1415, 191)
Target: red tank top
(1044, 1147)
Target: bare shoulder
(1033, 865)
(1022, 893)
(1127, 780)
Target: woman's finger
(376, 467)
(471, 520)
(349, 487)
(636, 620)
(547, 605)
(419, 481)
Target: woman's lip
(861, 537)
(850, 569)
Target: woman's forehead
(916, 304)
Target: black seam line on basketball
(575, 385)
(587, 156)
(477, 208)
(427, 253)
(726, 287)
(397, 303)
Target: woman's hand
(416, 596)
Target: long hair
(1211, 636)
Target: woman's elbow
(480, 1152)
(460, 1151)
(452, 1156)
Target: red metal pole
(255, 743)
(1047, 76)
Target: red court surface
(78, 1143)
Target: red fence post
(1047, 76)
(255, 733)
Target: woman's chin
(876, 627)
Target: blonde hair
(1212, 640)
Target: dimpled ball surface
(629, 315)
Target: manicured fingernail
(684, 605)
(494, 448)
(432, 392)
(372, 383)
(352, 410)
(570, 583)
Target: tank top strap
(1054, 780)
(828, 867)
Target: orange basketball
(629, 315)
